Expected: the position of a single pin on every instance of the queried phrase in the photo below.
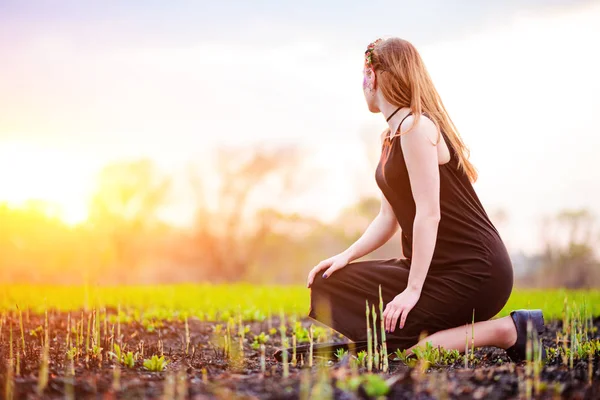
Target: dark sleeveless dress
(470, 272)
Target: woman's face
(369, 89)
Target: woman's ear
(371, 78)
(374, 77)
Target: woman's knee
(337, 280)
(318, 283)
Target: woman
(455, 266)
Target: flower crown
(369, 53)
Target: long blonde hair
(405, 82)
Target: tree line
(238, 232)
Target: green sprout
(260, 339)
(375, 385)
(362, 357)
(127, 359)
(71, 353)
(155, 364)
(340, 353)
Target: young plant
(466, 348)
(263, 359)
(228, 346)
(105, 323)
(294, 359)
(311, 336)
(401, 355)
(284, 343)
(68, 337)
(127, 359)
(270, 322)
(473, 336)
(320, 333)
(301, 333)
(529, 359)
(78, 338)
(116, 382)
(590, 366)
(369, 342)
(119, 323)
(116, 353)
(18, 365)
(375, 385)
(96, 352)
(9, 383)
(71, 353)
(259, 339)
(361, 357)
(37, 331)
(22, 331)
(384, 353)
(241, 333)
(44, 366)
(428, 356)
(375, 350)
(340, 353)
(155, 364)
(87, 338)
(305, 384)
(187, 336)
(450, 357)
(97, 337)
(323, 389)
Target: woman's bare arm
(423, 169)
(379, 231)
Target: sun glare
(53, 180)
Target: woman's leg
(499, 332)
(450, 299)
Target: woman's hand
(400, 307)
(332, 264)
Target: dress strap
(400, 124)
(389, 137)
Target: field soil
(205, 372)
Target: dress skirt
(451, 296)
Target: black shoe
(517, 352)
(320, 349)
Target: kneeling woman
(455, 265)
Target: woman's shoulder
(422, 126)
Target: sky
(83, 84)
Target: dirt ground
(205, 372)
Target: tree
(231, 235)
(124, 211)
(568, 259)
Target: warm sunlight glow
(522, 92)
(53, 179)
